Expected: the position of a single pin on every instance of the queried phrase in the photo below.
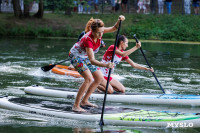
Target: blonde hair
(88, 25)
(97, 23)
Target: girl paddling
(120, 55)
(82, 56)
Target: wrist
(136, 47)
(105, 65)
(116, 27)
(117, 24)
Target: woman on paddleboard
(120, 55)
(83, 60)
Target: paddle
(49, 67)
(101, 123)
(149, 64)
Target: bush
(45, 31)
(3, 30)
(31, 31)
(148, 27)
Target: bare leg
(196, 10)
(98, 78)
(117, 86)
(102, 87)
(96, 8)
(113, 9)
(88, 80)
(124, 8)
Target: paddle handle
(149, 64)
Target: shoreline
(130, 40)
(133, 40)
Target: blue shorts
(113, 3)
(82, 64)
(195, 4)
(96, 1)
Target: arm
(137, 66)
(95, 62)
(128, 52)
(125, 53)
(114, 27)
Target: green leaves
(165, 27)
(57, 5)
(148, 27)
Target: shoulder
(87, 36)
(111, 46)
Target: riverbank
(149, 28)
(133, 40)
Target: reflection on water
(176, 66)
(48, 129)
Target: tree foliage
(52, 5)
(59, 5)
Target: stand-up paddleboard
(65, 70)
(135, 117)
(171, 99)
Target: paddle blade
(47, 68)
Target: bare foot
(78, 109)
(71, 67)
(88, 104)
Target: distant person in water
(120, 54)
(82, 56)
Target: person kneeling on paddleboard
(120, 55)
(83, 60)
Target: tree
(58, 5)
(17, 8)
(40, 12)
(26, 8)
(0, 5)
(26, 13)
(68, 7)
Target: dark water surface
(177, 67)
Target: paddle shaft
(101, 123)
(49, 67)
(62, 61)
(149, 66)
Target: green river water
(177, 67)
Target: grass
(147, 27)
